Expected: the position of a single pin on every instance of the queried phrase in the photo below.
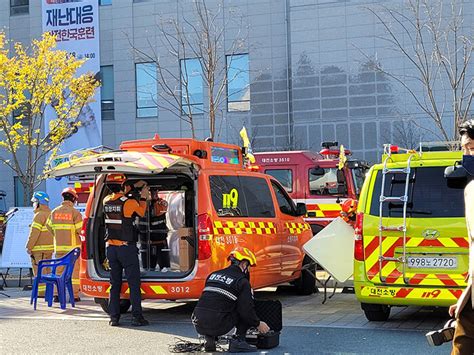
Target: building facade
(304, 74)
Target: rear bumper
(367, 292)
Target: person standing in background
(40, 243)
(154, 246)
(65, 223)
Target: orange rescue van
(214, 204)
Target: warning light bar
(254, 168)
(333, 152)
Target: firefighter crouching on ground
(227, 302)
(122, 252)
(348, 211)
(40, 243)
(463, 341)
(65, 223)
(154, 247)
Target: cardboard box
(186, 253)
(185, 232)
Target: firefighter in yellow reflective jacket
(40, 241)
(65, 223)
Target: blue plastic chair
(62, 281)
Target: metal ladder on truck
(387, 199)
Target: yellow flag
(246, 145)
(342, 158)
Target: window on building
(238, 82)
(147, 95)
(18, 7)
(105, 2)
(107, 92)
(19, 191)
(191, 86)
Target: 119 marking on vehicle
(432, 294)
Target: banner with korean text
(75, 23)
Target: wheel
(104, 304)
(376, 312)
(306, 284)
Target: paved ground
(84, 337)
(336, 327)
(342, 311)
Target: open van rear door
(118, 162)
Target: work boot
(114, 322)
(77, 299)
(209, 343)
(241, 346)
(139, 321)
(56, 299)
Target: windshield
(358, 174)
(323, 184)
(428, 195)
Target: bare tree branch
(438, 50)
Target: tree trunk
(28, 188)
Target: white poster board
(14, 253)
(333, 249)
(76, 27)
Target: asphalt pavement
(66, 336)
(310, 327)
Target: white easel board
(333, 249)
(14, 253)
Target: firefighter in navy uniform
(154, 247)
(227, 302)
(122, 252)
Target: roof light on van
(328, 153)
(255, 168)
(394, 149)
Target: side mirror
(317, 171)
(456, 177)
(301, 209)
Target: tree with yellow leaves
(31, 79)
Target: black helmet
(467, 127)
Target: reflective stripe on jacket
(40, 238)
(65, 222)
(119, 213)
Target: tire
(306, 284)
(104, 304)
(376, 312)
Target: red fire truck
(322, 180)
